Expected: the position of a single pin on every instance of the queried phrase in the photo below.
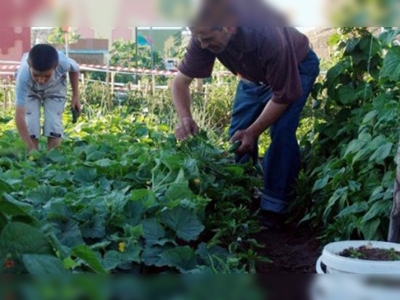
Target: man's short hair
(43, 57)
(193, 28)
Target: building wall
(87, 51)
(14, 42)
(112, 34)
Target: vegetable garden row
(121, 195)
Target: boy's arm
(74, 80)
(21, 96)
(20, 113)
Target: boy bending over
(42, 80)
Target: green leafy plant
(350, 164)
(122, 195)
(57, 36)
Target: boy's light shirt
(25, 83)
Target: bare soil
(293, 250)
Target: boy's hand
(75, 115)
(76, 104)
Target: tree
(57, 36)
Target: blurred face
(212, 39)
(41, 77)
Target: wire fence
(145, 81)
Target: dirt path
(292, 250)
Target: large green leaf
(391, 64)
(105, 162)
(339, 194)
(111, 260)
(42, 194)
(152, 231)
(94, 227)
(333, 74)
(147, 197)
(370, 116)
(179, 191)
(346, 94)
(354, 209)
(133, 212)
(95, 155)
(351, 45)
(182, 258)
(88, 256)
(381, 153)
(56, 156)
(24, 239)
(208, 254)
(377, 210)
(5, 187)
(172, 161)
(131, 253)
(354, 146)
(39, 264)
(68, 233)
(85, 175)
(388, 36)
(370, 46)
(191, 167)
(185, 223)
(369, 229)
(14, 208)
(152, 255)
(320, 183)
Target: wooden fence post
(110, 99)
(153, 84)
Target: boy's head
(42, 59)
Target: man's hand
(76, 104)
(186, 127)
(247, 138)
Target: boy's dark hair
(43, 57)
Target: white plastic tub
(347, 286)
(338, 264)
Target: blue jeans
(281, 163)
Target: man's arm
(181, 98)
(74, 80)
(20, 113)
(269, 115)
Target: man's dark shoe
(272, 220)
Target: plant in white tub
(377, 264)
(360, 257)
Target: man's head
(214, 39)
(42, 59)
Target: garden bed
(293, 250)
